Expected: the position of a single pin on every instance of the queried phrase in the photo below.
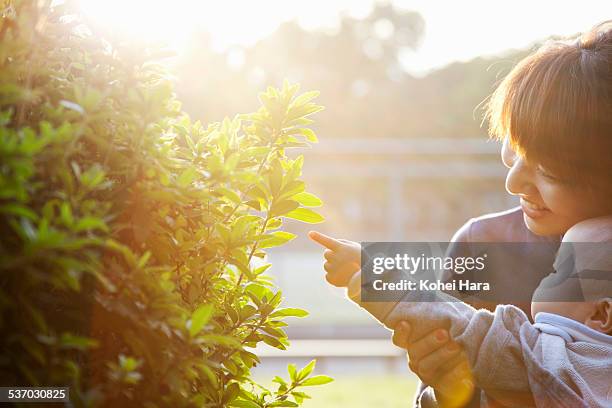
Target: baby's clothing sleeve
(511, 360)
(490, 340)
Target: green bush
(132, 262)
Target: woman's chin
(543, 226)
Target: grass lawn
(363, 391)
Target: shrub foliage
(132, 248)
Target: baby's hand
(343, 258)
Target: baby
(564, 359)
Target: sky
(455, 30)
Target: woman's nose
(519, 178)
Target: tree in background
(358, 69)
(132, 248)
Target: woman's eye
(547, 175)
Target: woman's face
(550, 205)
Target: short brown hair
(556, 108)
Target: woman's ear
(601, 317)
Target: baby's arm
(490, 340)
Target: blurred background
(403, 155)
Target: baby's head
(581, 287)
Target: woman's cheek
(559, 202)
(567, 205)
(564, 205)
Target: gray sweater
(556, 362)
(505, 226)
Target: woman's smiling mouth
(533, 210)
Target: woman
(553, 113)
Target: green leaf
(285, 403)
(261, 269)
(92, 177)
(241, 403)
(275, 239)
(19, 210)
(292, 371)
(279, 380)
(66, 213)
(305, 372)
(316, 380)
(271, 341)
(305, 97)
(231, 195)
(123, 249)
(164, 178)
(219, 339)
(306, 215)
(254, 204)
(186, 177)
(90, 223)
(276, 178)
(142, 262)
(289, 311)
(258, 192)
(128, 363)
(308, 199)
(71, 341)
(199, 318)
(274, 332)
(300, 396)
(292, 188)
(259, 291)
(283, 207)
(231, 392)
(309, 134)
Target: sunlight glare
(230, 23)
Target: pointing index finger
(326, 241)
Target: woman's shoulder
(503, 226)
